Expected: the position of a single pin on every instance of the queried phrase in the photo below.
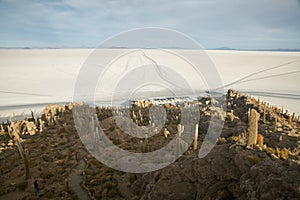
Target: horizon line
(120, 47)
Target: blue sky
(255, 24)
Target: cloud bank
(213, 23)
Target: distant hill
(280, 49)
(223, 48)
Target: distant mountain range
(114, 47)
(233, 49)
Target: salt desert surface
(32, 78)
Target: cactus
(26, 163)
(166, 132)
(54, 119)
(32, 115)
(2, 129)
(248, 114)
(36, 122)
(275, 125)
(290, 120)
(196, 137)
(253, 126)
(20, 148)
(264, 114)
(9, 130)
(140, 115)
(180, 129)
(179, 142)
(134, 115)
(24, 154)
(41, 126)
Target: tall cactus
(275, 126)
(290, 120)
(26, 163)
(253, 126)
(196, 137)
(179, 142)
(264, 114)
(24, 154)
(2, 129)
(32, 115)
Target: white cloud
(212, 22)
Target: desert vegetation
(256, 156)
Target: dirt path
(75, 179)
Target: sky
(243, 24)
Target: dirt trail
(75, 179)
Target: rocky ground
(64, 168)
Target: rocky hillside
(255, 157)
